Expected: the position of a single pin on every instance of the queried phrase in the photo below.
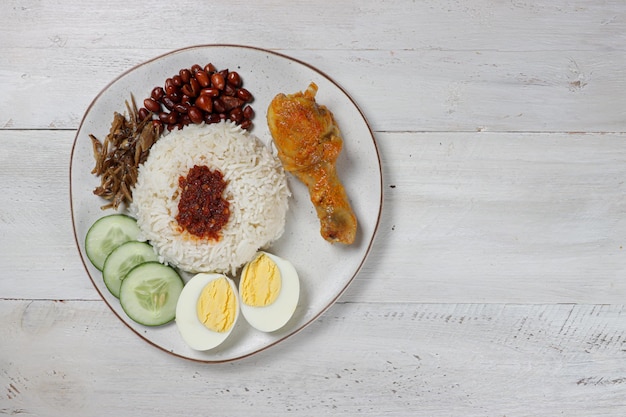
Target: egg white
(194, 333)
(274, 316)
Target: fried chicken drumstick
(309, 142)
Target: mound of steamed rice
(256, 191)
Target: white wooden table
(497, 280)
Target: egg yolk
(261, 282)
(217, 305)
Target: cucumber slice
(149, 293)
(106, 234)
(124, 258)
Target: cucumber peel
(149, 293)
(106, 234)
(124, 258)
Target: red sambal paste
(202, 209)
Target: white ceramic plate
(325, 270)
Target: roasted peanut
(246, 124)
(211, 92)
(143, 113)
(151, 105)
(244, 94)
(203, 78)
(218, 105)
(204, 102)
(248, 112)
(185, 75)
(195, 114)
(199, 94)
(217, 81)
(234, 79)
(157, 93)
(236, 115)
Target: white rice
(256, 190)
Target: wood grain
(467, 217)
(430, 359)
(518, 66)
(495, 286)
(365, 25)
(406, 90)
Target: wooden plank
(495, 286)
(467, 217)
(500, 218)
(502, 67)
(350, 25)
(406, 90)
(37, 249)
(75, 359)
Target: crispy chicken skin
(308, 143)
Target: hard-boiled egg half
(207, 310)
(269, 289)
